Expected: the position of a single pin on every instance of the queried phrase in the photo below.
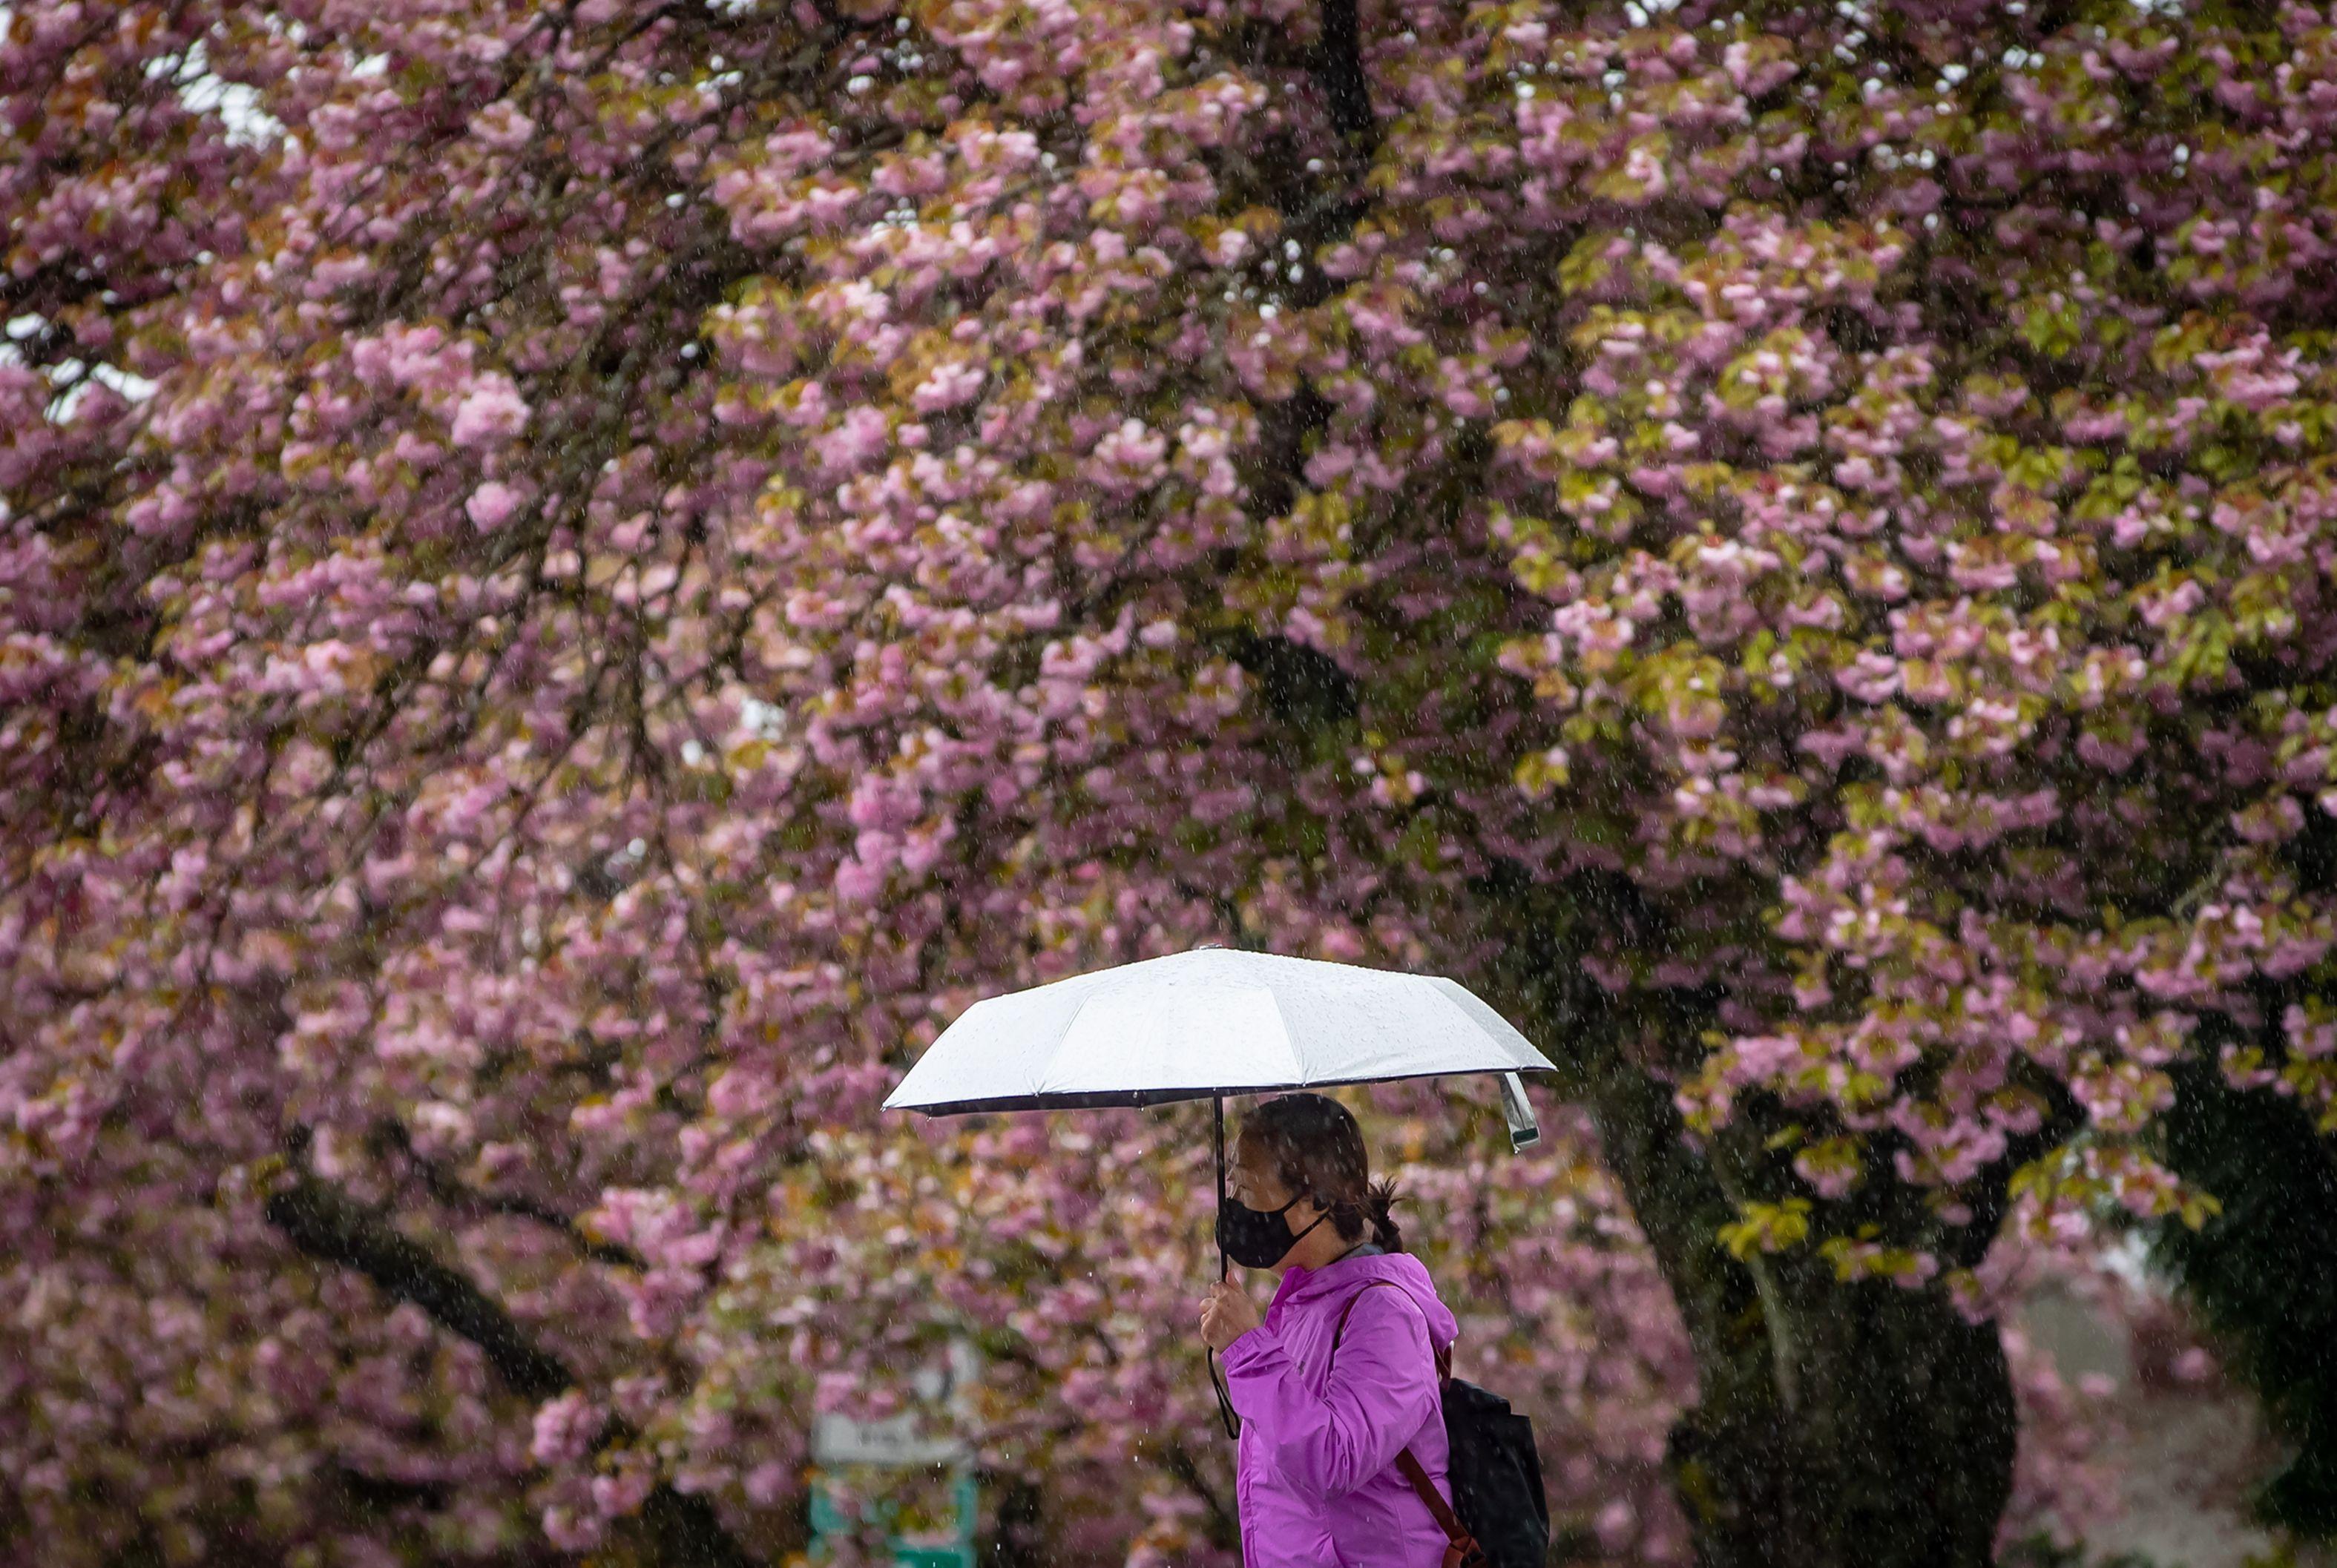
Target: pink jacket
(1314, 1476)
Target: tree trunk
(1834, 1425)
(2260, 1272)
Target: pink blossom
(565, 1427)
(491, 412)
(501, 124)
(492, 505)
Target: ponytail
(1376, 1203)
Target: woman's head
(1309, 1146)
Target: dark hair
(1315, 1147)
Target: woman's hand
(1226, 1314)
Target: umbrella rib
(1289, 1038)
(1070, 1026)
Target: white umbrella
(1209, 1023)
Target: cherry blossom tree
(580, 578)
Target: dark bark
(1223, 1529)
(683, 1532)
(2260, 1272)
(449, 1192)
(1834, 1425)
(1339, 69)
(1296, 682)
(1017, 1536)
(1896, 1448)
(331, 1228)
(1320, 206)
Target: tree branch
(1223, 1529)
(331, 1227)
(1339, 70)
(444, 1187)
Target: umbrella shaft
(1216, 1386)
(1218, 1117)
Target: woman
(1316, 1478)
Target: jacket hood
(1330, 1286)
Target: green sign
(828, 1520)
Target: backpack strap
(1461, 1549)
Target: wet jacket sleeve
(1381, 1391)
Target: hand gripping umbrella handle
(1217, 1384)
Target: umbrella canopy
(1206, 1023)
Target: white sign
(897, 1440)
(893, 1441)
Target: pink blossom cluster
(577, 580)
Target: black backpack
(1499, 1516)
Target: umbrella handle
(1519, 1111)
(1225, 1416)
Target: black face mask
(1259, 1237)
